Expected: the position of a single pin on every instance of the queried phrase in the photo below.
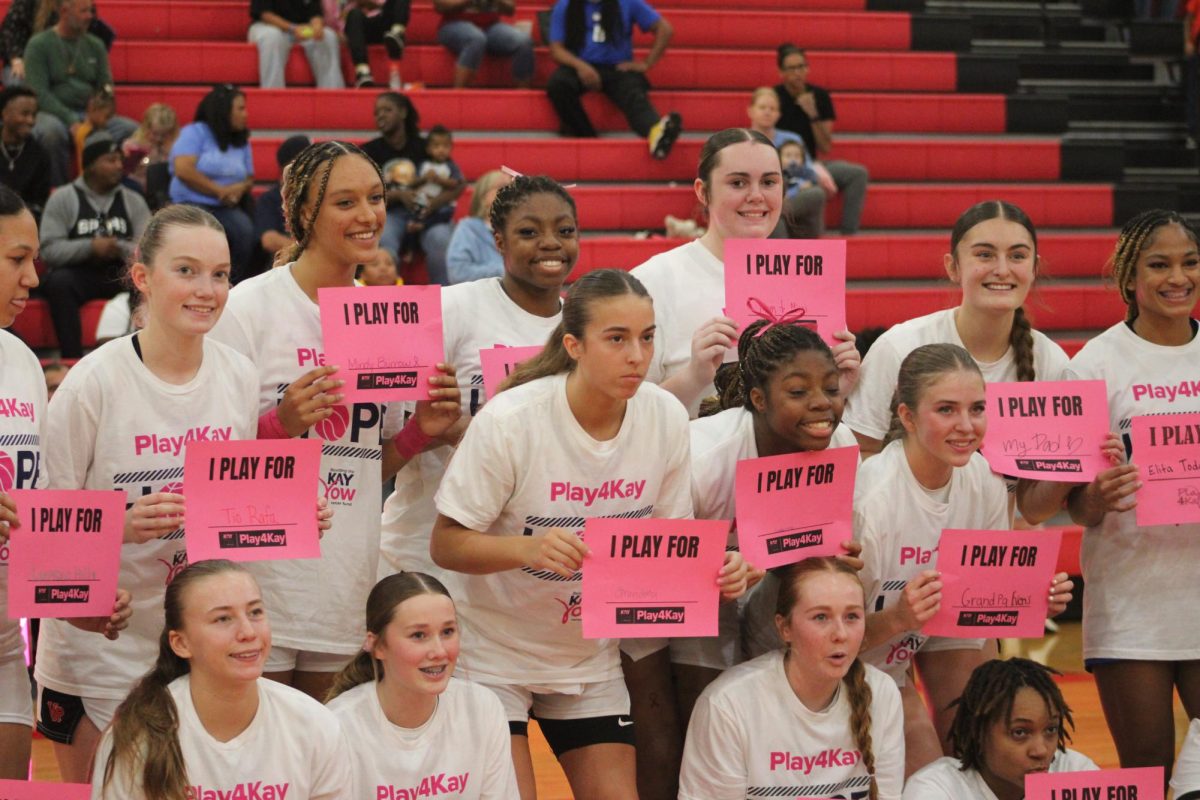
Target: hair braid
(1020, 339)
(859, 695)
(522, 188)
(1132, 240)
(297, 182)
(918, 370)
(760, 353)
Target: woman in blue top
(211, 167)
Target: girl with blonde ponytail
(808, 720)
(204, 723)
(404, 716)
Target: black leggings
(362, 30)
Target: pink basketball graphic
(334, 426)
(8, 472)
(174, 487)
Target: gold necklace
(71, 52)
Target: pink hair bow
(512, 173)
(763, 311)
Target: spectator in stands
(151, 143)
(270, 228)
(1191, 71)
(375, 22)
(25, 18)
(66, 65)
(471, 28)
(592, 41)
(212, 167)
(807, 109)
(25, 167)
(379, 272)
(277, 25)
(88, 233)
(54, 371)
(101, 107)
(439, 184)
(803, 210)
(472, 253)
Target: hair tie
(763, 311)
(512, 173)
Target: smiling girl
(810, 720)
(405, 718)
(537, 233)
(203, 723)
(1011, 721)
(334, 206)
(534, 464)
(1142, 645)
(928, 478)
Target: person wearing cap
(270, 229)
(88, 233)
(66, 65)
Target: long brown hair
(918, 370)
(145, 730)
(858, 692)
(385, 597)
(601, 284)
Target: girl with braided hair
(333, 201)
(203, 723)
(1141, 643)
(993, 258)
(1010, 721)
(808, 720)
(537, 233)
(929, 477)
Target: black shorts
(565, 735)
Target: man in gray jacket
(89, 230)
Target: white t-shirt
(687, 285)
(475, 316)
(315, 604)
(1121, 619)
(463, 751)
(292, 750)
(868, 409)
(900, 525)
(22, 421)
(1186, 776)
(750, 736)
(526, 465)
(114, 425)
(945, 780)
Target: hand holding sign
(1167, 450)
(309, 399)
(385, 339)
(1144, 783)
(252, 500)
(996, 583)
(559, 550)
(153, 516)
(1047, 430)
(65, 556)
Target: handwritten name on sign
(386, 339)
(652, 577)
(252, 500)
(1166, 449)
(795, 506)
(1048, 430)
(798, 280)
(65, 556)
(498, 363)
(39, 790)
(1143, 783)
(995, 583)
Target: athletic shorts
(637, 649)
(937, 644)
(16, 692)
(285, 659)
(571, 701)
(58, 713)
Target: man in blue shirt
(592, 42)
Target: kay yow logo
(572, 609)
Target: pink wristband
(269, 426)
(410, 440)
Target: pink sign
(387, 340)
(795, 506)
(652, 577)
(1166, 449)
(252, 500)
(802, 281)
(65, 556)
(1142, 783)
(498, 363)
(1049, 430)
(35, 790)
(995, 583)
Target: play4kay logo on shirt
(434, 785)
(174, 445)
(17, 409)
(251, 790)
(614, 489)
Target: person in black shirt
(277, 24)
(24, 166)
(807, 109)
